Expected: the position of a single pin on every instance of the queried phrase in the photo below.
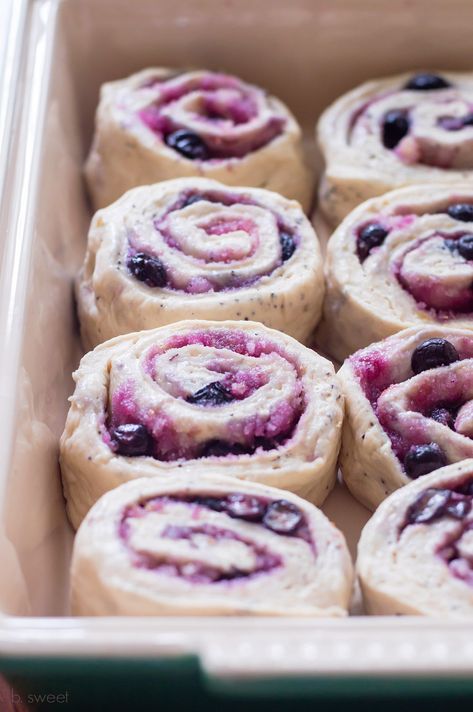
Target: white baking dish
(307, 52)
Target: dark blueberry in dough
(221, 448)
(132, 440)
(429, 505)
(288, 245)
(422, 459)
(372, 235)
(467, 120)
(214, 503)
(211, 394)
(461, 211)
(282, 517)
(395, 127)
(188, 144)
(459, 509)
(147, 269)
(191, 199)
(427, 82)
(242, 506)
(433, 353)
(443, 416)
(465, 246)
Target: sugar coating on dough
(168, 546)
(225, 253)
(415, 277)
(251, 137)
(276, 418)
(414, 555)
(357, 164)
(389, 409)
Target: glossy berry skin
(465, 246)
(395, 127)
(427, 82)
(444, 416)
(372, 235)
(461, 211)
(288, 245)
(132, 440)
(242, 506)
(433, 353)
(282, 517)
(221, 448)
(188, 144)
(422, 459)
(211, 394)
(435, 503)
(147, 269)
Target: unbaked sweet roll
(409, 409)
(160, 124)
(404, 130)
(194, 248)
(415, 555)
(208, 545)
(396, 261)
(231, 396)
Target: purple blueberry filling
(422, 459)
(433, 353)
(461, 211)
(281, 517)
(455, 123)
(432, 504)
(427, 82)
(131, 440)
(288, 245)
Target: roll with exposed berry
(160, 124)
(409, 409)
(194, 248)
(232, 397)
(400, 260)
(415, 553)
(389, 133)
(208, 545)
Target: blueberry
(372, 235)
(132, 440)
(221, 448)
(242, 506)
(426, 82)
(461, 211)
(188, 144)
(191, 199)
(282, 517)
(422, 459)
(459, 509)
(429, 505)
(433, 353)
(395, 127)
(443, 416)
(465, 246)
(147, 269)
(211, 394)
(467, 120)
(288, 245)
(214, 503)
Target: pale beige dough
(308, 582)
(399, 568)
(286, 296)
(365, 301)
(370, 468)
(126, 153)
(358, 166)
(305, 463)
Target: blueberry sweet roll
(232, 397)
(194, 248)
(400, 260)
(208, 545)
(389, 133)
(415, 555)
(160, 124)
(409, 403)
